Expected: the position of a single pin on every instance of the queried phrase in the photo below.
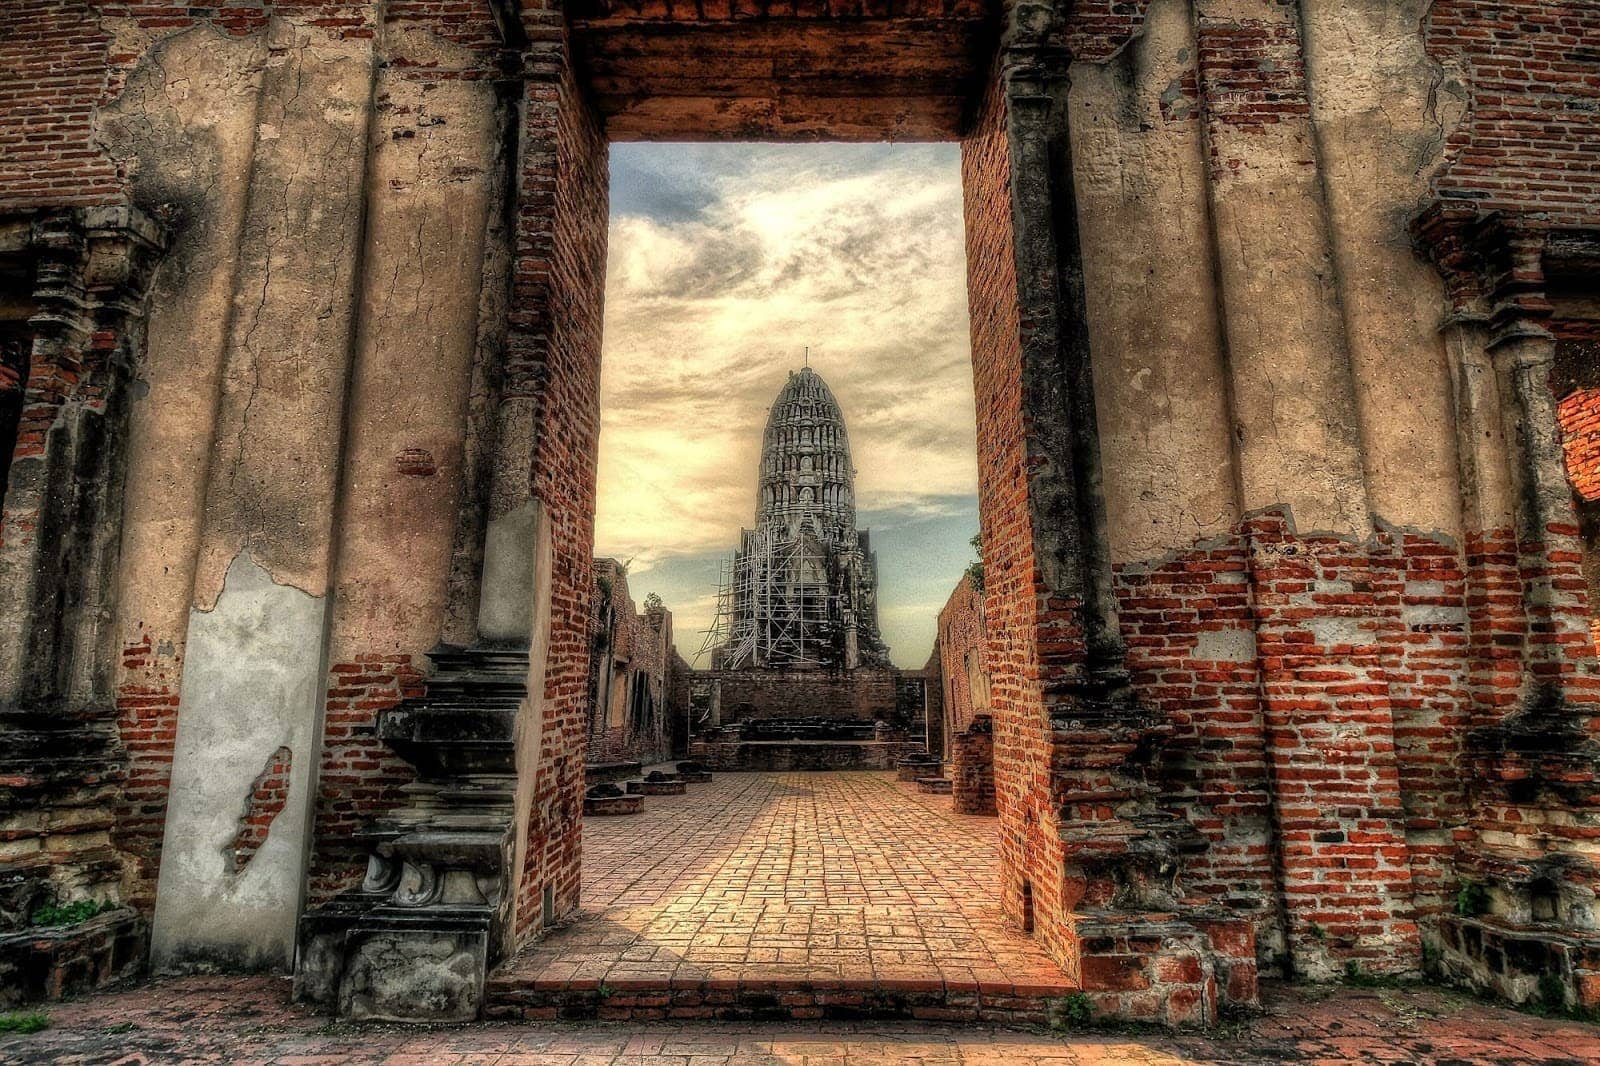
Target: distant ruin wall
(893, 696)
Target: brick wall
(1532, 68)
(972, 769)
(147, 720)
(360, 776)
(1579, 412)
(961, 637)
(1188, 620)
(553, 354)
(855, 695)
(1021, 615)
(1580, 439)
(264, 802)
(632, 653)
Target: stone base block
(913, 769)
(1164, 969)
(936, 786)
(1526, 964)
(657, 788)
(779, 756)
(599, 772)
(387, 965)
(49, 964)
(606, 806)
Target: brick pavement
(787, 894)
(247, 1020)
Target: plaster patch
(1226, 646)
(252, 685)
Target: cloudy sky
(726, 261)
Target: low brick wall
(858, 695)
(53, 963)
(972, 768)
(780, 755)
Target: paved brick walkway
(815, 889)
(245, 1020)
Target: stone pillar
(59, 541)
(63, 493)
(1089, 862)
(1515, 492)
(485, 853)
(1320, 599)
(253, 685)
(1523, 925)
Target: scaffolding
(781, 603)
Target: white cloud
(725, 262)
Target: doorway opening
(786, 502)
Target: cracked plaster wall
(1270, 340)
(298, 435)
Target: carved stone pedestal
(416, 941)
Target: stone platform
(778, 756)
(787, 895)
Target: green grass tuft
(24, 1021)
(70, 913)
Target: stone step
(936, 786)
(923, 998)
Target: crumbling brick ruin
(634, 675)
(1283, 321)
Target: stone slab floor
(244, 1020)
(847, 879)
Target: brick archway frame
(1071, 743)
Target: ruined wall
(631, 713)
(1346, 565)
(1015, 596)
(327, 177)
(864, 695)
(959, 643)
(553, 363)
(1302, 594)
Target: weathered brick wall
(933, 725)
(972, 769)
(264, 802)
(553, 348)
(1579, 412)
(1532, 68)
(632, 653)
(1019, 613)
(1189, 623)
(855, 695)
(1580, 430)
(960, 640)
(360, 776)
(55, 55)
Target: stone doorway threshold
(787, 895)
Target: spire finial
(808, 355)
